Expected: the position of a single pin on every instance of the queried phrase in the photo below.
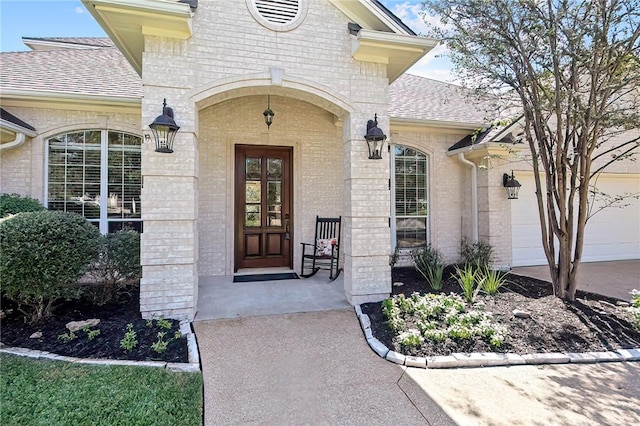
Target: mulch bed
(113, 317)
(592, 323)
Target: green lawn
(43, 392)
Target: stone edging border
(185, 328)
(489, 359)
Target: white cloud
(79, 10)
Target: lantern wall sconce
(164, 129)
(268, 114)
(375, 139)
(511, 185)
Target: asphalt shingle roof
(105, 72)
(420, 98)
(101, 71)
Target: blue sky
(69, 18)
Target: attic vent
(278, 11)
(278, 15)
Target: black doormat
(265, 277)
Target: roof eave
(126, 22)
(398, 51)
(452, 125)
(368, 14)
(67, 97)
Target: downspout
(19, 140)
(474, 195)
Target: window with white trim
(410, 204)
(96, 173)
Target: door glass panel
(253, 168)
(253, 192)
(274, 197)
(252, 215)
(274, 168)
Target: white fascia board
(153, 6)
(456, 125)
(397, 40)
(24, 94)
(365, 13)
(29, 42)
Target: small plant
(477, 254)
(492, 280)
(467, 279)
(91, 334)
(160, 345)
(130, 339)
(68, 336)
(163, 323)
(392, 312)
(177, 335)
(411, 339)
(635, 308)
(393, 259)
(428, 262)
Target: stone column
(366, 239)
(494, 213)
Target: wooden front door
(263, 231)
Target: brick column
(366, 239)
(169, 243)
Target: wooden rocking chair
(324, 253)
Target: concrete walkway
(613, 279)
(311, 368)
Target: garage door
(611, 234)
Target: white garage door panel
(611, 234)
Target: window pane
(253, 168)
(410, 197)
(274, 169)
(75, 180)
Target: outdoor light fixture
(375, 139)
(164, 129)
(511, 185)
(268, 114)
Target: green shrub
(117, 266)
(467, 279)
(43, 254)
(15, 203)
(428, 262)
(478, 254)
(492, 280)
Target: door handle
(287, 236)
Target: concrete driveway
(308, 368)
(613, 279)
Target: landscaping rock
(36, 335)
(398, 284)
(609, 304)
(606, 356)
(546, 358)
(446, 361)
(415, 361)
(629, 354)
(79, 325)
(365, 322)
(481, 359)
(521, 314)
(623, 304)
(580, 358)
(378, 347)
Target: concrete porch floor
(219, 297)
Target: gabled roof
(99, 72)
(414, 98)
(49, 43)
(7, 117)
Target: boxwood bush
(15, 203)
(43, 254)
